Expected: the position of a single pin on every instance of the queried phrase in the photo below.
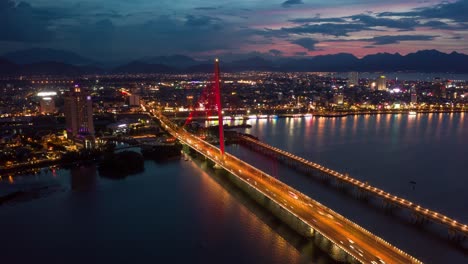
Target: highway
(351, 238)
(401, 202)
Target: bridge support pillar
(388, 206)
(361, 194)
(419, 219)
(339, 184)
(456, 236)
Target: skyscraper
(353, 79)
(338, 99)
(414, 97)
(47, 105)
(134, 100)
(79, 113)
(381, 83)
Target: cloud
(457, 37)
(275, 52)
(307, 43)
(200, 21)
(456, 11)
(143, 28)
(370, 21)
(289, 3)
(300, 53)
(317, 20)
(160, 36)
(23, 23)
(327, 29)
(385, 40)
(206, 8)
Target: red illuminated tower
(220, 108)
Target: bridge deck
(348, 236)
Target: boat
(412, 113)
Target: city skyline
(122, 30)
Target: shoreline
(320, 114)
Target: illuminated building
(134, 100)
(381, 83)
(79, 116)
(338, 98)
(190, 101)
(353, 79)
(47, 103)
(414, 97)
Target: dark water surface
(388, 151)
(183, 212)
(172, 213)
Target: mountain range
(56, 62)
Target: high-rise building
(338, 98)
(134, 100)
(79, 113)
(381, 83)
(190, 101)
(47, 105)
(353, 79)
(414, 96)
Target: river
(181, 211)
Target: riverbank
(240, 118)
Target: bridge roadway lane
(356, 241)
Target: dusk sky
(121, 29)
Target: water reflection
(83, 178)
(428, 149)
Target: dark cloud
(300, 53)
(113, 15)
(436, 24)
(307, 43)
(289, 3)
(6, 4)
(370, 21)
(205, 8)
(385, 40)
(327, 29)
(317, 20)
(275, 52)
(161, 35)
(200, 21)
(21, 22)
(101, 29)
(457, 11)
